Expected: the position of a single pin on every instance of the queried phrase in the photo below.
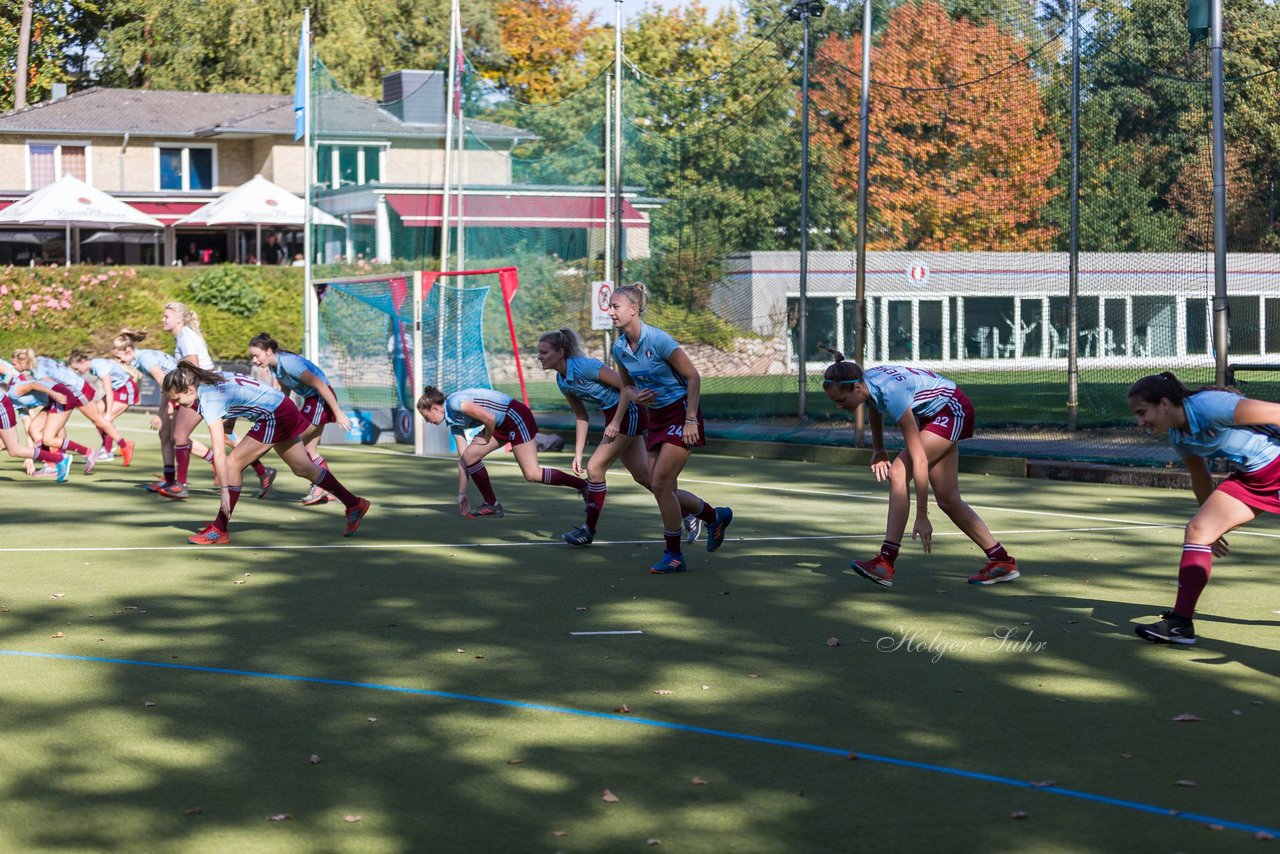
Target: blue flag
(300, 87)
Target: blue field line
(841, 752)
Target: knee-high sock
(480, 477)
(555, 477)
(181, 461)
(259, 469)
(224, 516)
(330, 484)
(68, 445)
(52, 457)
(595, 504)
(707, 513)
(107, 442)
(1193, 575)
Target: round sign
(918, 274)
(602, 296)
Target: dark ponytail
(841, 370)
(563, 340)
(264, 341)
(187, 376)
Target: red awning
(167, 212)
(511, 211)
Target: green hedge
(86, 306)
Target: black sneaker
(1171, 629)
(581, 536)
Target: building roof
(156, 112)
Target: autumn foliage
(961, 148)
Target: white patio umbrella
(258, 202)
(20, 237)
(71, 203)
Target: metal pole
(804, 11)
(864, 162)
(1073, 253)
(1221, 339)
(454, 47)
(606, 266)
(617, 143)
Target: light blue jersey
(648, 365)
(1212, 433)
(145, 360)
(486, 398)
(109, 370)
(189, 343)
(895, 389)
(289, 370)
(30, 400)
(582, 380)
(238, 397)
(8, 374)
(54, 370)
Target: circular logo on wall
(918, 275)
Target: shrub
(227, 287)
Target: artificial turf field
(164, 697)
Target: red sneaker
(210, 536)
(176, 491)
(126, 451)
(996, 571)
(877, 569)
(354, 515)
(264, 482)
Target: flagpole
(311, 308)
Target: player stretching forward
(582, 380)
(668, 383)
(1203, 425)
(934, 415)
(120, 391)
(276, 424)
(502, 419)
(320, 404)
(14, 388)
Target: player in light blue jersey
(18, 393)
(934, 417)
(586, 381)
(277, 425)
(1201, 426)
(319, 403)
(663, 379)
(178, 423)
(502, 420)
(79, 396)
(120, 391)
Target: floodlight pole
(1073, 234)
(617, 143)
(864, 161)
(803, 12)
(1221, 332)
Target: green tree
(61, 33)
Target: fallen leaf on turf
(1236, 712)
(753, 675)
(515, 761)
(698, 781)
(372, 720)
(1184, 783)
(580, 608)
(610, 798)
(1185, 716)
(315, 759)
(724, 592)
(238, 581)
(57, 595)
(57, 635)
(352, 819)
(284, 816)
(460, 649)
(653, 840)
(1059, 700)
(479, 656)
(1263, 836)
(117, 612)
(131, 607)
(809, 564)
(706, 687)
(852, 756)
(1040, 784)
(833, 641)
(1215, 827)
(559, 833)
(663, 691)
(1255, 702)
(148, 704)
(195, 811)
(1017, 814)
(1126, 755)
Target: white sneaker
(47, 471)
(105, 456)
(692, 529)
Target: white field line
(528, 543)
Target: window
(49, 161)
(186, 168)
(343, 165)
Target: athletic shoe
(581, 536)
(265, 481)
(354, 515)
(105, 456)
(492, 510)
(1171, 629)
(586, 497)
(126, 451)
(692, 528)
(715, 531)
(210, 536)
(877, 569)
(47, 471)
(315, 495)
(90, 460)
(63, 468)
(176, 491)
(671, 562)
(157, 485)
(996, 571)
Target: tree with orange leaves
(545, 42)
(961, 149)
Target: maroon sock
(889, 551)
(224, 516)
(330, 484)
(259, 469)
(51, 457)
(208, 455)
(673, 539)
(480, 477)
(319, 460)
(706, 513)
(595, 504)
(555, 477)
(107, 442)
(168, 474)
(997, 552)
(1193, 575)
(181, 462)
(68, 445)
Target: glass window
(930, 329)
(988, 327)
(1155, 323)
(1197, 326)
(201, 162)
(1113, 329)
(820, 326)
(324, 165)
(899, 330)
(957, 352)
(44, 169)
(1086, 326)
(171, 169)
(1032, 328)
(1273, 325)
(348, 165)
(1244, 323)
(848, 346)
(372, 168)
(73, 162)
